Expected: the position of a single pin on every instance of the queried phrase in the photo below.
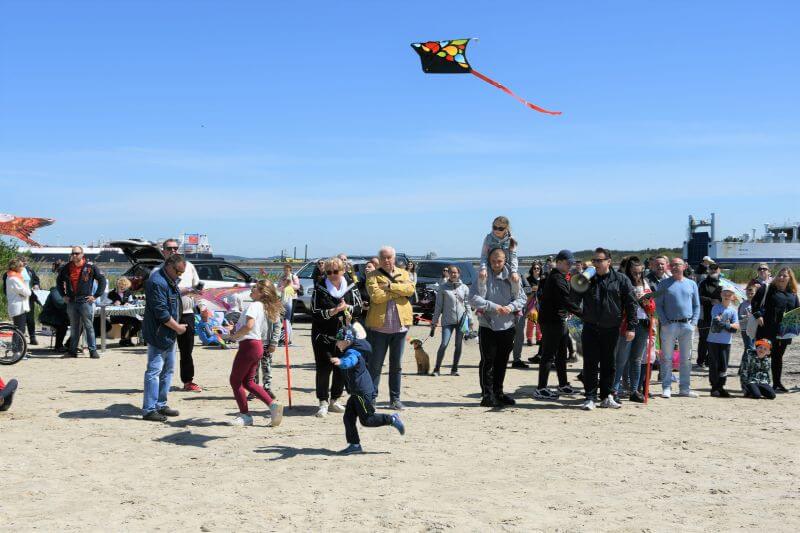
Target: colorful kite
(790, 325)
(739, 295)
(220, 298)
(22, 228)
(450, 57)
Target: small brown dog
(423, 360)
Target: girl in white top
(249, 331)
(17, 294)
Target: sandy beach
(77, 457)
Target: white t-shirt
(188, 280)
(255, 311)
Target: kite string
(511, 93)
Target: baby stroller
(426, 303)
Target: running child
(358, 381)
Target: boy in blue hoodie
(361, 404)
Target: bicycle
(13, 346)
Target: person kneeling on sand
(249, 331)
(358, 381)
(755, 370)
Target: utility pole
(294, 254)
(305, 255)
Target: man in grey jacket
(496, 302)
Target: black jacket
(709, 290)
(123, 298)
(54, 313)
(606, 299)
(776, 304)
(357, 379)
(89, 274)
(321, 304)
(555, 302)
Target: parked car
(213, 272)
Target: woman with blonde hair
(770, 303)
(249, 331)
(122, 295)
(336, 304)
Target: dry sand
(76, 456)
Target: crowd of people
(639, 317)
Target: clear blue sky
(269, 126)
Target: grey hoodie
(452, 301)
(492, 294)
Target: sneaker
(544, 394)
(335, 407)
(168, 411)
(271, 394)
(322, 412)
(610, 403)
(780, 388)
(490, 401)
(398, 424)
(666, 393)
(567, 389)
(241, 420)
(519, 364)
(191, 387)
(93, 354)
(588, 405)
(715, 393)
(505, 399)
(435, 373)
(688, 394)
(251, 396)
(724, 393)
(154, 416)
(529, 342)
(454, 373)
(397, 405)
(637, 397)
(276, 414)
(352, 449)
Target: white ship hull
(754, 252)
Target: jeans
(158, 377)
(759, 391)
(519, 338)
(81, 314)
(363, 409)
(683, 332)
(629, 355)
(447, 334)
(749, 344)
(394, 342)
(287, 308)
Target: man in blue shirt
(678, 309)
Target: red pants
(2, 385)
(529, 330)
(244, 368)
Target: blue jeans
(394, 342)
(749, 344)
(447, 334)
(158, 377)
(81, 315)
(629, 356)
(287, 307)
(684, 334)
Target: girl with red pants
(249, 331)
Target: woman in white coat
(18, 294)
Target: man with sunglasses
(80, 282)
(188, 284)
(764, 277)
(609, 295)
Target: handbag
(752, 323)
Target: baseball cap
(346, 334)
(706, 258)
(565, 255)
(764, 342)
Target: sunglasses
(75, 253)
(498, 228)
(599, 260)
(761, 269)
(331, 272)
(172, 248)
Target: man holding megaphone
(606, 295)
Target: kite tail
(508, 91)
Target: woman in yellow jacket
(389, 317)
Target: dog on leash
(423, 360)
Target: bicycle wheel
(13, 345)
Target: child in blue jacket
(361, 404)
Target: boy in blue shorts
(361, 404)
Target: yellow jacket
(379, 296)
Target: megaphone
(580, 282)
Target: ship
(779, 244)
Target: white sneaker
(241, 420)
(666, 393)
(610, 403)
(335, 407)
(276, 413)
(688, 394)
(323, 410)
(588, 405)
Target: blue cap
(565, 255)
(346, 334)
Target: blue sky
(269, 126)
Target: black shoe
(579, 377)
(637, 397)
(33, 342)
(154, 416)
(567, 389)
(519, 364)
(490, 401)
(535, 359)
(505, 399)
(69, 355)
(723, 393)
(94, 355)
(168, 411)
(60, 349)
(529, 343)
(780, 388)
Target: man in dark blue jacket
(160, 328)
(358, 381)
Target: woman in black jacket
(781, 296)
(335, 304)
